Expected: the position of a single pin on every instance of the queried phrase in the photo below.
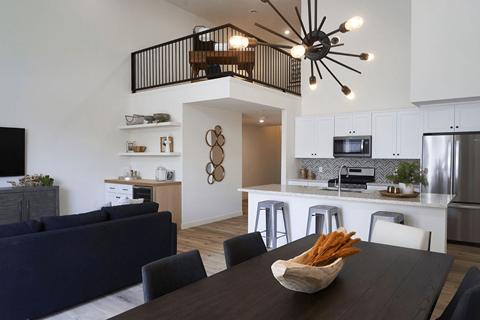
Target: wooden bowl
(302, 278)
(138, 148)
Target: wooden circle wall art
(215, 140)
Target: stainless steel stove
(354, 178)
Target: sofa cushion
(74, 220)
(130, 210)
(20, 228)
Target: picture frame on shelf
(170, 175)
(129, 146)
(162, 143)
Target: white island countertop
(428, 211)
(431, 200)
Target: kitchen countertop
(143, 182)
(431, 200)
(308, 180)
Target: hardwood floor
(209, 240)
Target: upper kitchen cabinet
(314, 137)
(396, 135)
(357, 124)
(452, 118)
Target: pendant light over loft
(315, 45)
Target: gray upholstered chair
(171, 273)
(465, 304)
(242, 248)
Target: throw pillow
(20, 228)
(74, 220)
(130, 210)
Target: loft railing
(207, 55)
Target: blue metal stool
(321, 214)
(271, 207)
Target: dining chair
(243, 248)
(171, 273)
(401, 235)
(465, 303)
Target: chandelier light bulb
(238, 42)
(313, 83)
(298, 51)
(367, 56)
(349, 93)
(353, 23)
(334, 40)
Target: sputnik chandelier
(316, 45)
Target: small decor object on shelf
(139, 148)
(32, 181)
(163, 144)
(161, 117)
(316, 268)
(130, 145)
(149, 119)
(135, 119)
(170, 175)
(408, 174)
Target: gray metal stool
(271, 207)
(321, 214)
(394, 217)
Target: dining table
(380, 282)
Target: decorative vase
(406, 188)
(303, 278)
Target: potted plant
(408, 174)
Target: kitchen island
(427, 211)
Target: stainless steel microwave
(355, 146)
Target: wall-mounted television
(12, 152)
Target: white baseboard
(210, 220)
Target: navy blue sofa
(46, 271)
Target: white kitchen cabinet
(467, 117)
(113, 192)
(314, 137)
(452, 118)
(409, 134)
(396, 135)
(384, 135)
(304, 137)
(357, 124)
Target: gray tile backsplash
(330, 167)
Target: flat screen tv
(12, 152)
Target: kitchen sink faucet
(340, 178)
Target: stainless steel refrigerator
(453, 163)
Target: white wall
(262, 149)
(65, 68)
(445, 51)
(385, 82)
(204, 203)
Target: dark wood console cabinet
(20, 204)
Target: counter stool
(271, 207)
(394, 217)
(321, 214)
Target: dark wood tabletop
(381, 282)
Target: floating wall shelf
(152, 125)
(150, 154)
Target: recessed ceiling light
(262, 120)
(253, 11)
(287, 31)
